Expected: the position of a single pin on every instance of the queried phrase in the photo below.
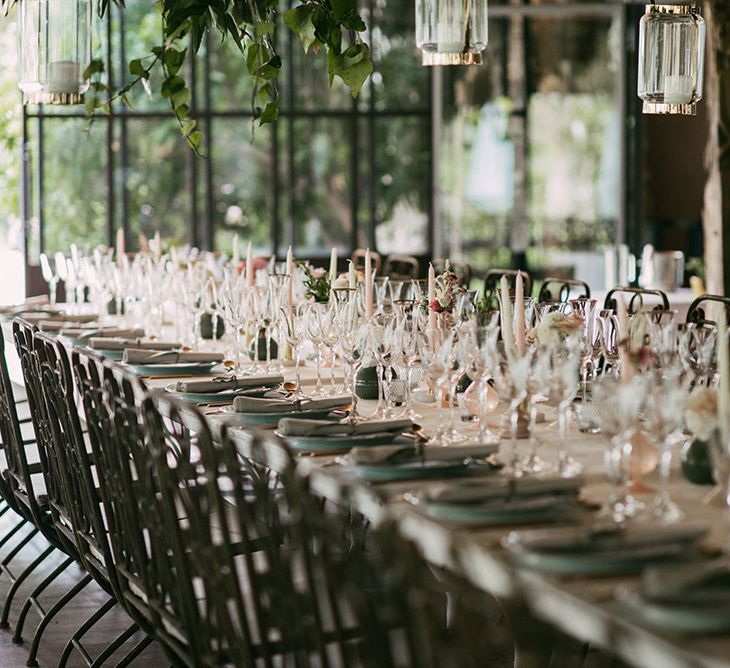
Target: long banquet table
(582, 607)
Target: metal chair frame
(636, 301)
(566, 287)
(697, 314)
(401, 267)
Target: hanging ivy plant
(327, 27)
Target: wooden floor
(68, 620)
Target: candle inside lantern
(63, 76)
(369, 310)
(677, 89)
(520, 325)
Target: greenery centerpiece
(316, 283)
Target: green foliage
(329, 25)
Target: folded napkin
(60, 318)
(53, 325)
(253, 405)
(223, 384)
(137, 356)
(609, 537)
(117, 343)
(304, 427)
(101, 332)
(396, 454)
(501, 488)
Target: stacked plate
(224, 388)
(603, 549)
(687, 598)
(500, 501)
(269, 411)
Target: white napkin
(393, 454)
(137, 356)
(60, 318)
(116, 343)
(101, 332)
(499, 487)
(304, 427)
(55, 325)
(223, 383)
(253, 405)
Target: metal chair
(562, 290)
(358, 260)
(76, 510)
(401, 267)
(636, 300)
(461, 269)
(696, 312)
(492, 281)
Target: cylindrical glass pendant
(55, 50)
(671, 58)
(451, 32)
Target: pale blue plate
(411, 470)
(273, 418)
(338, 443)
(230, 395)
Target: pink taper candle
(250, 270)
(520, 325)
(369, 310)
(627, 371)
(432, 319)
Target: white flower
(701, 412)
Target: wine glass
(50, 276)
(295, 329)
(353, 343)
(316, 324)
(697, 350)
(590, 347)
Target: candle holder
(451, 32)
(671, 58)
(55, 50)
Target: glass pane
(241, 184)
(230, 83)
(401, 183)
(399, 81)
(530, 156)
(157, 181)
(74, 183)
(322, 185)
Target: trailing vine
(331, 27)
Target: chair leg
(48, 617)
(32, 599)
(13, 553)
(19, 581)
(114, 645)
(12, 532)
(133, 653)
(74, 644)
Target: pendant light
(451, 32)
(55, 50)
(671, 58)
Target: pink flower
(436, 306)
(318, 272)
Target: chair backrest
(461, 269)
(127, 486)
(636, 298)
(401, 267)
(77, 513)
(11, 435)
(697, 311)
(22, 470)
(358, 260)
(563, 289)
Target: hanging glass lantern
(671, 58)
(55, 50)
(451, 32)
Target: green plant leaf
(263, 28)
(174, 59)
(341, 8)
(96, 66)
(299, 20)
(353, 67)
(172, 85)
(269, 114)
(136, 68)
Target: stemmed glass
(564, 363)
(590, 346)
(538, 378)
(50, 276)
(511, 377)
(697, 350)
(384, 345)
(666, 398)
(316, 328)
(231, 295)
(353, 342)
(610, 339)
(414, 345)
(663, 336)
(618, 405)
(295, 328)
